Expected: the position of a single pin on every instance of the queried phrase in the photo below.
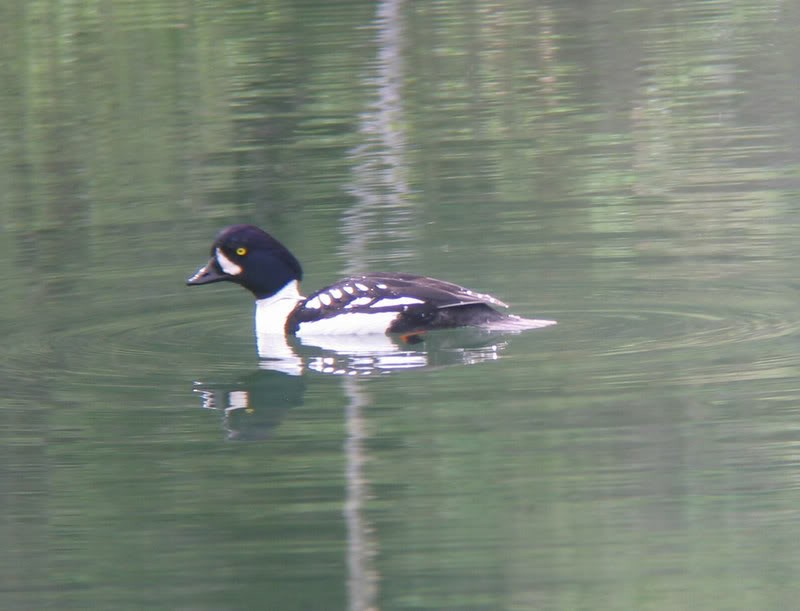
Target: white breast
(272, 312)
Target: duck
(385, 303)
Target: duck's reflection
(377, 354)
(253, 405)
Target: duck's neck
(272, 312)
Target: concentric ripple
(638, 346)
(179, 344)
(143, 345)
(654, 329)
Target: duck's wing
(389, 291)
(386, 297)
(435, 293)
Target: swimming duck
(384, 302)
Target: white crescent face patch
(228, 266)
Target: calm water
(632, 173)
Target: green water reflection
(630, 172)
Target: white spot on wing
(489, 299)
(337, 294)
(325, 298)
(228, 266)
(381, 285)
(348, 289)
(360, 301)
(396, 301)
(313, 303)
(361, 287)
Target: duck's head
(248, 256)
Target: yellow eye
(241, 251)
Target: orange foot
(416, 337)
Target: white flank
(352, 345)
(352, 323)
(228, 266)
(272, 312)
(395, 301)
(359, 301)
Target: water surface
(631, 173)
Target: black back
(422, 302)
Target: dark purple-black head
(249, 256)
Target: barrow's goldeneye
(359, 305)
